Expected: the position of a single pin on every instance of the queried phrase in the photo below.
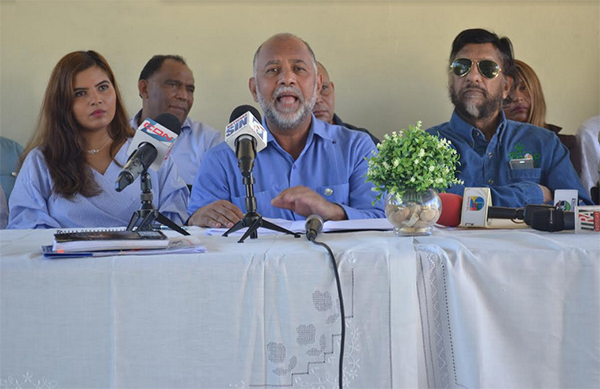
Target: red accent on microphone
(451, 209)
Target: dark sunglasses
(488, 69)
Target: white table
(510, 309)
(259, 314)
(468, 309)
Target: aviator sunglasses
(488, 68)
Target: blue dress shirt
(3, 210)
(487, 164)
(34, 205)
(332, 164)
(10, 151)
(190, 147)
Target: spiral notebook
(99, 240)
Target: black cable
(343, 314)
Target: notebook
(98, 240)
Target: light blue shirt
(10, 151)
(3, 209)
(332, 164)
(487, 164)
(191, 145)
(34, 205)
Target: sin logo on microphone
(236, 125)
(476, 203)
(241, 122)
(156, 132)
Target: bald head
(283, 37)
(324, 108)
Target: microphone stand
(252, 219)
(148, 213)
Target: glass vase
(414, 213)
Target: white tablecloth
(463, 309)
(260, 314)
(510, 309)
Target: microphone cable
(312, 238)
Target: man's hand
(304, 201)
(546, 192)
(219, 214)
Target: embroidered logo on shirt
(519, 152)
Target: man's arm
(513, 195)
(220, 213)
(304, 201)
(210, 202)
(562, 175)
(361, 192)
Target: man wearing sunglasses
(520, 163)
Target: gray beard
(471, 110)
(287, 120)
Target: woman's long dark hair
(58, 135)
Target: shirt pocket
(263, 199)
(520, 175)
(339, 194)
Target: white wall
(388, 59)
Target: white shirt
(589, 143)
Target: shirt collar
(317, 127)
(337, 120)
(468, 132)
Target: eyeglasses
(488, 68)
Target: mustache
(472, 88)
(288, 89)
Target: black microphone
(313, 226)
(242, 109)
(246, 136)
(525, 213)
(552, 220)
(153, 138)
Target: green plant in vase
(409, 169)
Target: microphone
(149, 148)
(451, 209)
(552, 220)
(314, 225)
(452, 205)
(246, 136)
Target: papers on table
(330, 226)
(107, 239)
(177, 245)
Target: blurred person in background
(525, 103)
(588, 138)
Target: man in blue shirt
(166, 84)
(308, 167)
(10, 152)
(481, 73)
(324, 108)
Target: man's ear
(508, 84)
(332, 86)
(319, 82)
(252, 87)
(143, 88)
